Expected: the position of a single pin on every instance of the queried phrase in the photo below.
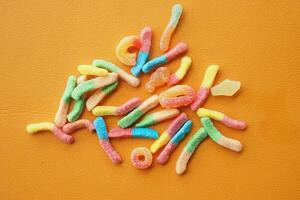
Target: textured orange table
(256, 42)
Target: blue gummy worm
(141, 60)
(101, 129)
(185, 129)
(144, 133)
(152, 64)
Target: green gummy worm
(77, 110)
(106, 65)
(71, 84)
(146, 121)
(130, 118)
(83, 88)
(195, 140)
(211, 130)
(108, 89)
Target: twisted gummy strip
(79, 104)
(91, 70)
(183, 131)
(189, 149)
(134, 115)
(174, 126)
(157, 117)
(117, 110)
(131, 80)
(61, 114)
(232, 123)
(79, 124)
(217, 137)
(206, 84)
(133, 132)
(167, 35)
(167, 57)
(181, 71)
(48, 126)
(145, 38)
(94, 84)
(101, 130)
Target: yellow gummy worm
(202, 112)
(43, 126)
(209, 76)
(92, 70)
(184, 67)
(104, 110)
(161, 141)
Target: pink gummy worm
(129, 106)
(173, 79)
(176, 124)
(110, 152)
(165, 154)
(62, 136)
(202, 95)
(145, 36)
(233, 123)
(120, 133)
(178, 49)
(82, 123)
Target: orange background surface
(256, 42)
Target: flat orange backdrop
(256, 42)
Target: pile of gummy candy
(102, 77)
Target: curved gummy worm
(133, 132)
(79, 124)
(122, 52)
(79, 104)
(189, 149)
(167, 35)
(141, 158)
(173, 143)
(117, 110)
(232, 123)
(167, 57)
(176, 96)
(61, 114)
(181, 71)
(145, 38)
(166, 136)
(93, 84)
(206, 84)
(217, 137)
(47, 126)
(134, 115)
(131, 80)
(100, 94)
(157, 117)
(91, 70)
(101, 130)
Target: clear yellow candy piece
(226, 88)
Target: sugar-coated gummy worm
(79, 124)
(206, 84)
(217, 137)
(91, 70)
(157, 117)
(117, 110)
(167, 57)
(94, 84)
(167, 35)
(189, 149)
(232, 123)
(102, 134)
(131, 80)
(61, 114)
(79, 104)
(134, 115)
(176, 96)
(48, 126)
(133, 132)
(100, 94)
(145, 38)
(122, 52)
(174, 142)
(141, 158)
(181, 71)
(166, 136)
